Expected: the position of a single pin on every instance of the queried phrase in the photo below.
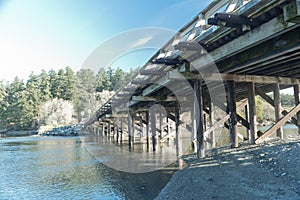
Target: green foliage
(21, 104)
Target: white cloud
(141, 41)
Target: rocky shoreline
(266, 171)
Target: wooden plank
(221, 77)
(224, 108)
(216, 125)
(277, 106)
(252, 113)
(278, 124)
(232, 114)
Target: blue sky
(45, 34)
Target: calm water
(61, 168)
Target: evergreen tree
(15, 116)
(53, 84)
(45, 93)
(69, 84)
(85, 88)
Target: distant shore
(267, 171)
(18, 133)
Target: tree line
(22, 101)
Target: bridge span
(207, 77)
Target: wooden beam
(174, 75)
(216, 125)
(291, 11)
(224, 108)
(152, 72)
(252, 113)
(161, 99)
(278, 124)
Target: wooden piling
(297, 101)
(232, 113)
(252, 113)
(198, 106)
(117, 132)
(121, 131)
(211, 123)
(147, 129)
(129, 120)
(178, 134)
(153, 127)
(277, 104)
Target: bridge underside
(251, 50)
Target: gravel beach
(266, 171)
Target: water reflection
(53, 168)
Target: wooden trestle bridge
(230, 52)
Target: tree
(85, 87)
(69, 84)
(17, 113)
(45, 93)
(56, 112)
(53, 84)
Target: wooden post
(232, 114)
(194, 127)
(198, 106)
(153, 127)
(133, 130)
(211, 123)
(141, 127)
(129, 120)
(277, 104)
(297, 101)
(117, 131)
(160, 125)
(147, 129)
(178, 135)
(121, 132)
(108, 130)
(252, 113)
(103, 129)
